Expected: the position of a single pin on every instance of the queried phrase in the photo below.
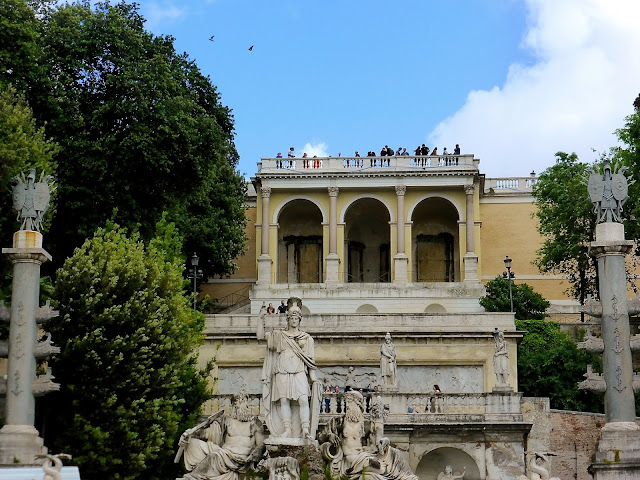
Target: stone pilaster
(400, 260)
(264, 260)
(470, 259)
(333, 261)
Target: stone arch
(435, 461)
(367, 237)
(435, 240)
(444, 196)
(288, 200)
(366, 308)
(435, 308)
(300, 242)
(354, 199)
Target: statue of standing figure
(388, 366)
(608, 193)
(288, 372)
(31, 199)
(501, 359)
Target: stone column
(264, 260)
(400, 260)
(333, 261)
(618, 454)
(19, 440)
(470, 258)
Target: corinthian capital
(401, 189)
(333, 191)
(468, 189)
(265, 192)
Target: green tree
(567, 223)
(527, 303)
(23, 145)
(550, 365)
(629, 155)
(142, 132)
(127, 369)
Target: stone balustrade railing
(302, 165)
(445, 406)
(519, 184)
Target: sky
(511, 81)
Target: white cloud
(158, 12)
(319, 149)
(581, 86)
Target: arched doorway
(300, 243)
(437, 460)
(435, 241)
(367, 239)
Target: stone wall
(571, 436)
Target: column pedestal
(400, 263)
(470, 267)
(333, 268)
(20, 444)
(618, 454)
(264, 270)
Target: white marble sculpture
(388, 366)
(225, 445)
(280, 468)
(501, 359)
(52, 465)
(537, 467)
(352, 449)
(289, 380)
(448, 474)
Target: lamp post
(509, 275)
(195, 275)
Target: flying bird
(251, 48)
(211, 38)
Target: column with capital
(400, 261)
(264, 260)
(333, 261)
(618, 453)
(470, 258)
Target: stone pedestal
(400, 263)
(29, 473)
(470, 267)
(264, 271)
(333, 268)
(618, 454)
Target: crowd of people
(383, 159)
(337, 393)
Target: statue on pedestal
(350, 444)
(224, 446)
(288, 372)
(501, 359)
(388, 366)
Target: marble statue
(352, 449)
(537, 467)
(280, 468)
(224, 446)
(52, 465)
(388, 366)
(501, 359)
(449, 475)
(31, 199)
(608, 193)
(289, 379)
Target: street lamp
(195, 275)
(509, 275)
